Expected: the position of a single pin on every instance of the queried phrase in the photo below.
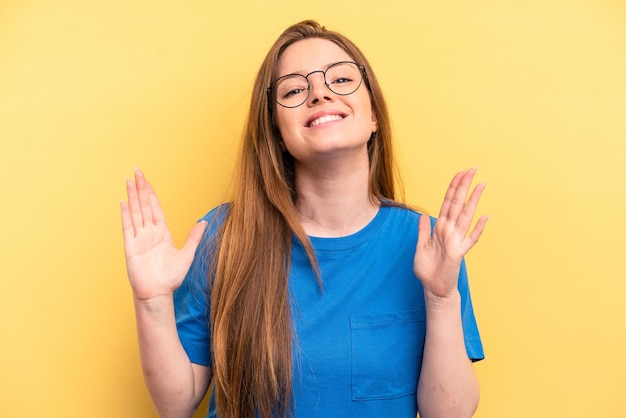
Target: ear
(374, 122)
(281, 145)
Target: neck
(334, 200)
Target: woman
(311, 294)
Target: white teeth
(325, 119)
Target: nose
(319, 89)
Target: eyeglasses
(292, 90)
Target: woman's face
(326, 124)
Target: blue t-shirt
(359, 339)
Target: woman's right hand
(155, 266)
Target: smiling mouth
(324, 119)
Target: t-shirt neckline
(353, 240)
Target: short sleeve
(473, 343)
(191, 299)
(191, 307)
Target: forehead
(309, 55)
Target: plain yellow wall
(531, 92)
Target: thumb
(193, 239)
(423, 230)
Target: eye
(291, 86)
(342, 80)
(293, 92)
(342, 74)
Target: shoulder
(215, 219)
(400, 212)
(217, 215)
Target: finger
(143, 193)
(193, 239)
(133, 205)
(474, 236)
(447, 200)
(127, 224)
(460, 194)
(157, 210)
(424, 230)
(465, 218)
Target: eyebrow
(300, 72)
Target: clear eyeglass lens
(342, 78)
(292, 91)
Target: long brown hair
(251, 327)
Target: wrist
(154, 304)
(442, 303)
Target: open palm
(155, 266)
(438, 256)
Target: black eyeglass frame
(271, 99)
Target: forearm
(168, 373)
(447, 386)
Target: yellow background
(532, 92)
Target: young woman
(313, 292)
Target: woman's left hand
(438, 257)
